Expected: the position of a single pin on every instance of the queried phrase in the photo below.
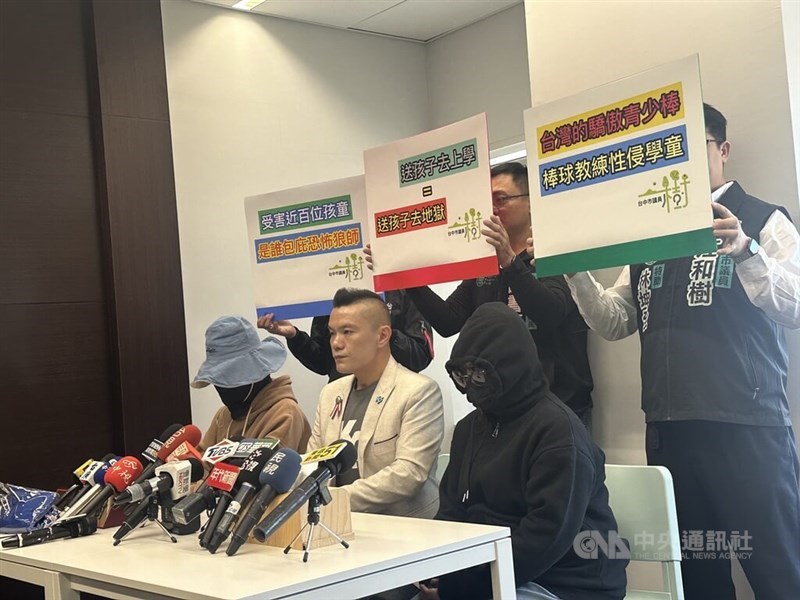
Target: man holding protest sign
(714, 375)
(545, 305)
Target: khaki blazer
(398, 445)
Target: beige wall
(482, 68)
(260, 104)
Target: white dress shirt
(771, 280)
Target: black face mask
(238, 399)
(481, 389)
(481, 395)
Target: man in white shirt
(714, 374)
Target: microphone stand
(320, 498)
(151, 508)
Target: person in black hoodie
(525, 461)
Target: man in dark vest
(714, 374)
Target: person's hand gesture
(497, 236)
(429, 590)
(368, 256)
(281, 328)
(728, 228)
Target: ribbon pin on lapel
(337, 408)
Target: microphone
(117, 478)
(220, 451)
(276, 477)
(222, 476)
(248, 482)
(97, 476)
(248, 445)
(186, 433)
(205, 497)
(132, 522)
(184, 451)
(150, 454)
(65, 498)
(342, 460)
(87, 479)
(175, 477)
(69, 528)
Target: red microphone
(222, 477)
(188, 433)
(122, 474)
(184, 452)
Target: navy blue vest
(707, 352)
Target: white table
(387, 552)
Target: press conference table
(387, 552)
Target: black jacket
(525, 461)
(551, 315)
(707, 352)
(411, 343)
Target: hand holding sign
(728, 228)
(497, 236)
(368, 256)
(282, 328)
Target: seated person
(240, 366)
(411, 343)
(523, 460)
(393, 415)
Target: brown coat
(273, 413)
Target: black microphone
(195, 504)
(327, 469)
(69, 528)
(174, 476)
(133, 521)
(276, 477)
(205, 497)
(223, 479)
(248, 486)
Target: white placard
(618, 173)
(306, 243)
(426, 198)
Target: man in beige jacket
(393, 415)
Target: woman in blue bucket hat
(240, 366)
